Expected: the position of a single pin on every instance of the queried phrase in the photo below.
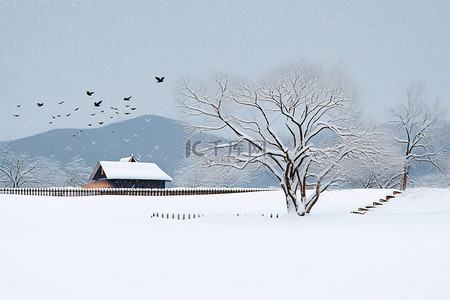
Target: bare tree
(281, 116)
(3, 153)
(417, 123)
(382, 169)
(48, 173)
(20, 170)
(16, 169)
(77, 172)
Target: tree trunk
(404, 179)
(314, 200)
(294, 206)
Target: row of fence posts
(188, 216)
(79, 192)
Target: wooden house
(127, 173)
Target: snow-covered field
(107, 247)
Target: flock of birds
(100, 112)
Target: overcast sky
(53, 51)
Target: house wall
(142, 184)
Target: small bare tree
(77, 172)
(281, 116)
(417, 123)
(382, 169)
(47, 173)
(16, 169)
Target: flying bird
(89, 93)
(18, 105)
(89, 124)
(50, 122)
(40, 104)
(127, 113)
(53, 117)
(133, 108)
(100, 123)
(59, 116)
(92, 114)
(102, 111)
(68, 115)
(127, 98)
(61, 102)
(97, 104)
(159, 79)
(77, 108)
(16, 116)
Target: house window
(101, 171)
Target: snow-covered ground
(108, 247)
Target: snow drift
(108, 247)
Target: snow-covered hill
(111, 248)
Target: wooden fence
(79, 192)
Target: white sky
(52, 51)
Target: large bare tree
(418, 126)
(283, 117)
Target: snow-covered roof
(131, 170)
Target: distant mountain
(149, 138)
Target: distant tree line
(18, 170)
